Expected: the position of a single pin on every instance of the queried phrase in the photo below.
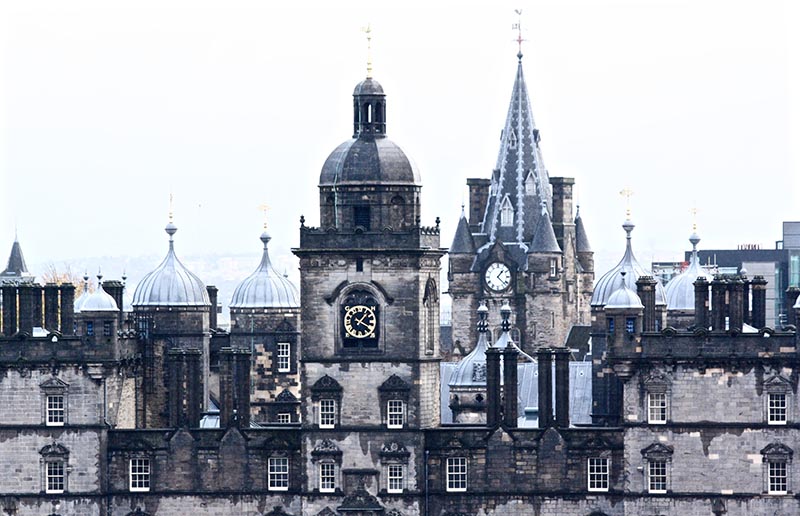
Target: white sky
(109, 106)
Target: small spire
(99, 278)
(483, 314)
(171, 228)
(264, 208)
(627, 193)
(368, 31)
(505, 313)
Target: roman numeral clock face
(497, 277)
(360, 322)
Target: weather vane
(264, 208)
(518, 27)
(368, 31)
(627, 193)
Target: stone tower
(521, 244)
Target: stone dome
(623, 297)
(265, 287)
(99, 300)
(368, 86)
(369, 160)
(171, 283)
(680, 289)
(607, 284)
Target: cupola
(265, 287)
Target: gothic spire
(463, 241)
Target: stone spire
(544, 238)
(463, 242)
(16, 270)
(581, 240)
(520, 175)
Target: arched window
(506, 212)
(430, 304)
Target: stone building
(113, 413)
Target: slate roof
(581, 240)
(463, 243)
(265, 287)
(16, 270)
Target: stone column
(759, 301)
(510, 387)
(195, 383)
(51, 306)
(545, 388)
(735, 305)
(701, 303)
(493, 403)
(562, 387)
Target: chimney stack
(562, 387)
(701, 303)
(646, 290)
(67, 308)
(212, 296)
(544, 359)
(719, 309)
(510, 394)
(9, 310)
(759, 318)
(478, 196)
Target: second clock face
(360, 322)
(497, 276)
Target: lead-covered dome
(623, 298)
(680, 289)
(171, 283)
(265, 287)
(369, 160)
(471, 370)
(607, 284)
(99, 300)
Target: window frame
(390, 414)
(284, 415)
(50, 476)
(397, 467)
(771, 477)
(52, 414)
(326, 408)
(506, 213)
(278, 474)
(553, 267)
(140, 477)
(663, 408)
(456, 474)
(662, 464)
(773, 417)
(283, 357)
(326, 470)
(595, 476)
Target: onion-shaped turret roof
(607, 284)
(680, 289)
(265, 287)
(171, 283)
(99, 300)
(623, 297)
(471, 370)
(78, 303)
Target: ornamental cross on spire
(518, 27)
(627, 193)
(264, 208)
(170, 207)
(693, 211)
(368, 31)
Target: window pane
(327, 413)
(55, 477)
(777, 413)
(598, 474)
(140, 475)
(327, 477)
(283, 357)
(395, 413)
(284, 418)
(457, 474)
(278, 474)
(55, 409)
(657, 407)
(657, 476)
(395, 480)
(777, 478)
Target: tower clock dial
(497, 277)
(360, 322)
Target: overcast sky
(109, 106)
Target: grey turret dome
(78, 303)
(471, 370)
(368, 86)
(265, 287)
(607, 284)
(99, 300)
(623, 297)
(680, 289)
(171, 283)
(369, 160)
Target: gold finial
(518, 27)
(368, 31)
(627, 193)
(264, 208)
(170, 207)
(693, 211)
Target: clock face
(360, 322)
(498, 277)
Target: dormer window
(530, 184)
(512, 139)
(506, 213)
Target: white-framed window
(777, 477)
(327, 413)
(278, 474)
(506, 213)
(657, 404)
(284, 357)
(395, 413)
(327, 477)
(553, 267)
(457, 474)
(284, 417)
(598, 473)
(139, 474)
(657, 476)
(395, 478)
(55, 410)
(55, 476)
(777, 408)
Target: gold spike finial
(264, 208)
(518, 27)
(170, 207)
(693, 211)
(627, 193)
(368, 31)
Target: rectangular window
(598, 474)
(140, 474)
(327, 477)
(657, 408)
(89, 328)
(361, 216)
(284, 354)
(55, 477)
(457, 474)
(776, 410)
(395, 478)
(55, 410)
(657, 476)
(630, 324)
(610, 324)
(396, 412)
(107, 328)
(327, 413)
(278, 477)
(778, 479)
(284, 418)
(553, 267)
